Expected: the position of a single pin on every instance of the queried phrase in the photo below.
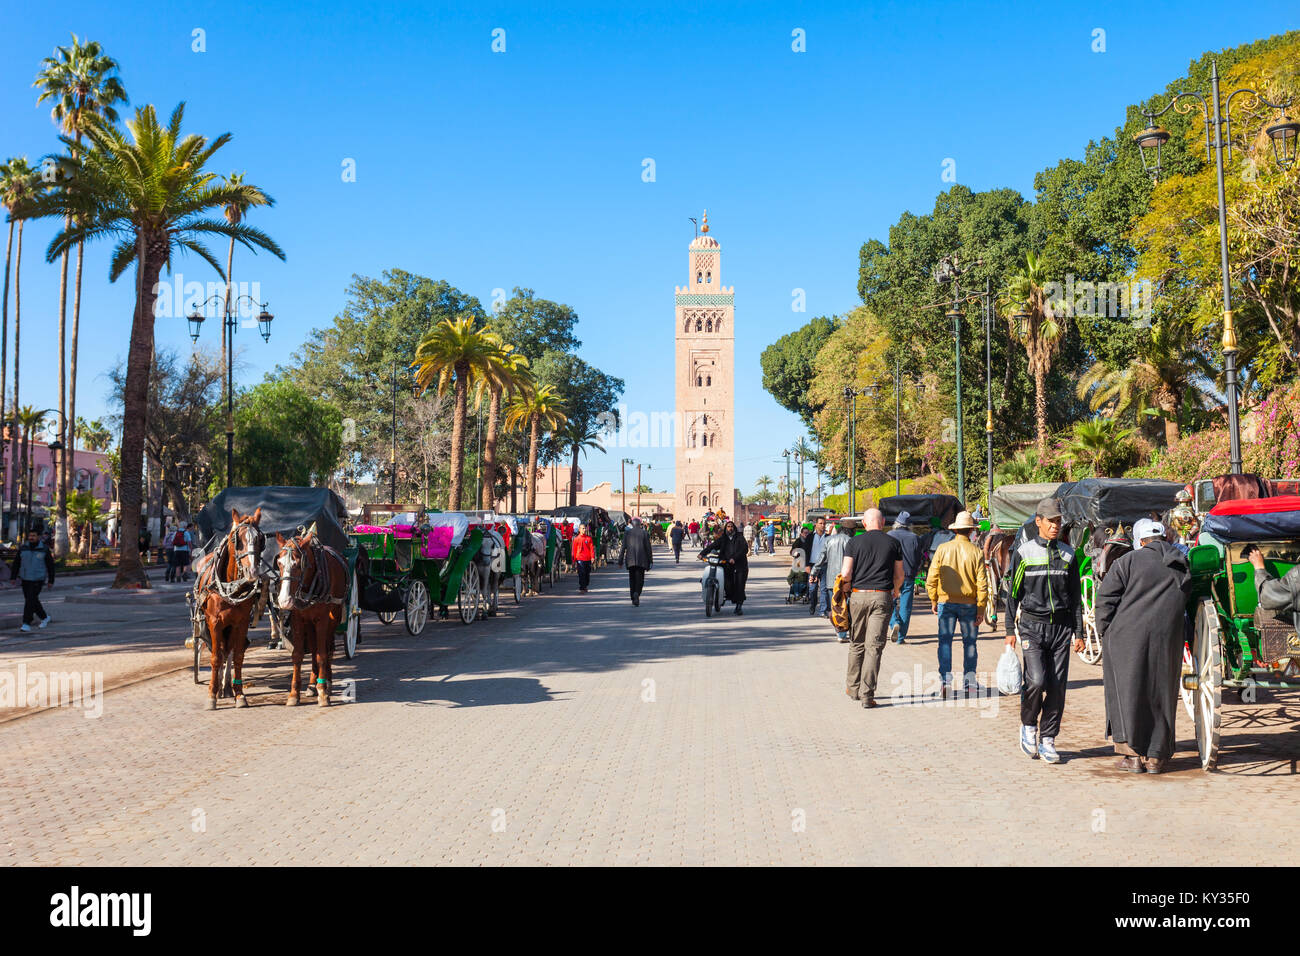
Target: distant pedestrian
(771, 537)
(873, 563)
(169, 552)
(694, 529)
(33, 566)
(1045, 609)
(675, 535)
(638, 556)
(818, 595)
(958, 589)
(184, 548)
(910, 543)
(833, 561)
(584, 553)
(1141, 617)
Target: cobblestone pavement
(577, 729)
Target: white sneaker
(45, 621)
(25, 627)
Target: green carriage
(1094, 509)
(415, 562)
(1236, 644)
(929, 515)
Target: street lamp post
(948, 272)
(709, 492)
(1218, 138)
(196, 320)
(988, 384)
(623, 480)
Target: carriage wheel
(467, 599)
(1188, 694)
(555, 571)
(388, 617)
(517, 584)
(417, 607)
(1091, 653)
(1207, 655)
(352, 632)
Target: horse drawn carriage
(930, 515)
(1012, 508)
(1097, 516)
(1236, 643)
(416, 561)
(276, 550)
(605, 534)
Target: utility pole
(988, 383)
(623, 481)
(638, 491)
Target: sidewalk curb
(136, 677)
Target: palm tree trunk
(4, 369)
(18, 322)
(534, 434)
(135, 412)
(490, 452)
(458, 438)
(573, 478)
(1040, 408)
(70, 443)
(514, 480)
(60, 428)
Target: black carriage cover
(284, 509)
(1102, 502)
(1258, 520)
(923, 509)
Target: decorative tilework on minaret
(705, 356)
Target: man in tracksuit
(1044, 606)
(34, 566)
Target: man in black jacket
(638, 556)
(1044, 605)
(675, 535)
(33, 565)
(734, 553)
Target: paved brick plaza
(578, 729)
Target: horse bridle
(238, 591)
(321, 588)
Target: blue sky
(524, 168)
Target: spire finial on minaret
(705, 227)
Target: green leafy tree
(283, 436)
(535, 326)
(536, 409)
(789, 366)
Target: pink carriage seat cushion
(371, 529)
(437, 542)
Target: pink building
(90, 474)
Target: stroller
(797, 578)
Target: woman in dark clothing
(733, 551)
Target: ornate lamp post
(1218, 140)
(948, 272)
(264, 320)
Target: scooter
(712, 583)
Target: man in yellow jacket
(959, 592)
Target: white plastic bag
(1009, 673)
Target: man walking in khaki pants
(873, 563)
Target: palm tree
(578, 436)
(19, 184)
(764, 488)
(458, 354)
(83, 84)
(151, 190)
(84, 510)
(1091, 440)
(534, 409)
(1169, 367)
(512, 373)
(95, 435)
(29, 420)
(1038, 331)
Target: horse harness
(320, 590)
(246, 586)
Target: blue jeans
(949, 616)
(902, 615)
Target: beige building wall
(705, 365)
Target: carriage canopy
(1103, 502)
(284, 509)
(1013, 505)
(1255, 519)
(938, 511)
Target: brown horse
(313, 581)
(226, 589)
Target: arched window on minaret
(708, 326)
(706, 420)
(699, 278)
(698, 325)
(708, 380)
(699, 380)
(708, 277)
(704, 440)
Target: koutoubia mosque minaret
(706, 345)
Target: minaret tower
(705, 391)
